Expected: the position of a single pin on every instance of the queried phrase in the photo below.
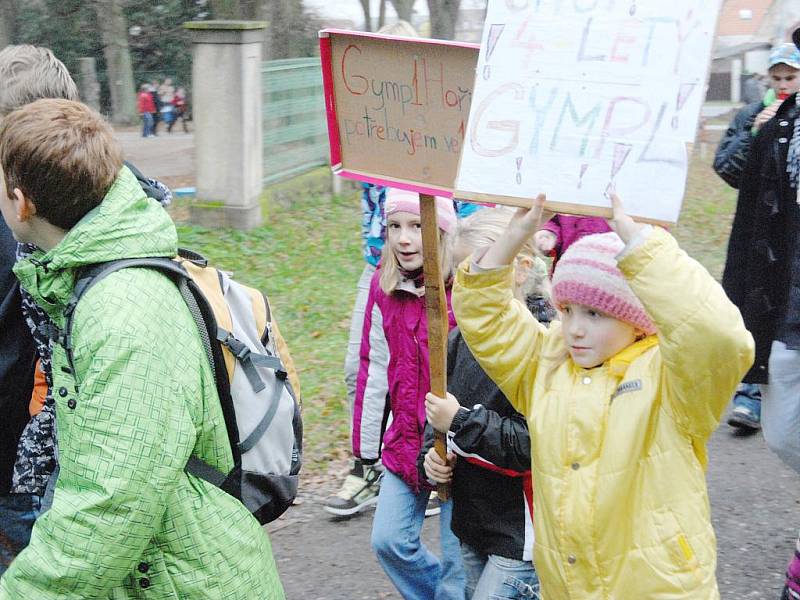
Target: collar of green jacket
(126, 224)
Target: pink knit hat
(587, 274)
(403, 201)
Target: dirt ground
(755, 500)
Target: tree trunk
(444, 14)
(404, 8)
(114, 32)
(382, 14)
(8, 16)
(367, 15)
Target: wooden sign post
(436, 312)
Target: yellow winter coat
(618, 452)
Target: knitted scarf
(793, 158)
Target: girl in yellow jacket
(620, 398)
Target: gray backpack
(254, 373)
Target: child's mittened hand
(545, 240)
(440, 411)
(437, 469)
(624, 226)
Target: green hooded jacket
(127, 521)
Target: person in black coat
(17, 359)
(491, 480)
(729, 163)
(762, 277)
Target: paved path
(755, 505)
(167, 157)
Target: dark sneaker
(434, 506)
(746, 413)
(359, 492)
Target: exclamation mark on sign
(491, 43)
(519, 174)
(684, 92)
(632, 9)
(584, 166)
(621, 152)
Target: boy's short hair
(62, 155)
(29, 73)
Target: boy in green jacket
(127, 521)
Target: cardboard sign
(575, 97)
(397, 107)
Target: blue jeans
(414, 570)
(492, 577)
(17, 514)
(147, 124)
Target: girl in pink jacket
(396, 310)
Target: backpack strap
(92, 274)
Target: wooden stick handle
(436, 312)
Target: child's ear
(25, 207)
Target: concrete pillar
(226, 108)
(736, 80)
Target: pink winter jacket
(568, 229)
(401, 316)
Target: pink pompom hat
(587, 274)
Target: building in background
(746, 31)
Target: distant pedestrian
(146, 108)
(180, 106)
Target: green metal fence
(295, 130)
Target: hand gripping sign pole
(436, 312)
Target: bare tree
(8, 17)
(367, 15)
(403, 8)
(444, 15)
(114, 33)
(382, 14)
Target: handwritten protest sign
(574, 96)
(397, 107)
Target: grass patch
(307, 259)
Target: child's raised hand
(624, 226)
(436, 468)
(440, 411)
(522, 226)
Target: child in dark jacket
(491, 479)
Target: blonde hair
(399, 27)
(61, 155)
(29, 73)
(390, 268)
(485, 227)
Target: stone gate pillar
(226, 109)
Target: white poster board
(574, 96)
